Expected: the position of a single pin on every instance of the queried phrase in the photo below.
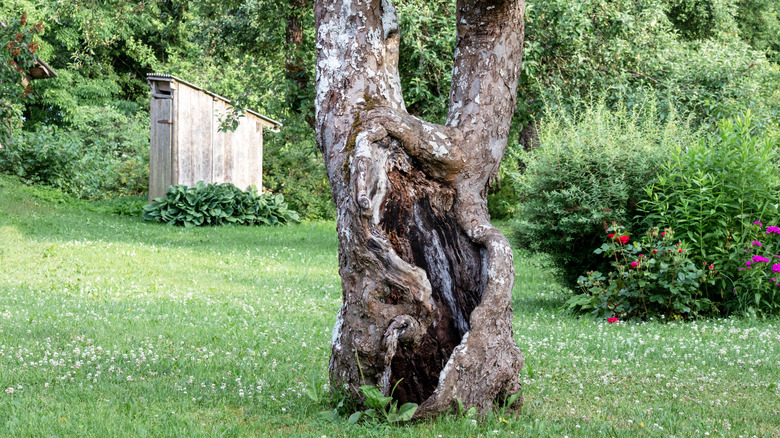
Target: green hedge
(217, 204)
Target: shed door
(160, 157)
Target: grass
(110, 326)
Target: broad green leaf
(406, 411)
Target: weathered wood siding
(222, 151)
(187, 146)
(160, 156)
(195, 135)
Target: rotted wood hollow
(416, 217)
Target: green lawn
(110, 326)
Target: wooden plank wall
(238, 156)
(160, 163)
(193, 145)
(190, 148)
(222, 146)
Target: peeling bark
(427, 280)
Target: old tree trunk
(427, 280)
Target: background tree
(427, 280)
(18, 48)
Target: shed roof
(168, 78)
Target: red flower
(611, 235)
(655, 251)
(662, 234)
(612, 320)
(623, 239)
(634, 264)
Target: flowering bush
(588, 172)
(757, 286)
(651, 277)
(708, 190)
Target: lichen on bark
(426, 279)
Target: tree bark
(427, 280)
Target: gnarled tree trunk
(427, 280)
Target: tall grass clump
(588, 173)
(713, 193)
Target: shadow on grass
(41, 219)
(549, 301)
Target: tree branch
(435, 146)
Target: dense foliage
(713, 191)
(589, 172)
(103, 158)
(217, 204)
(18, 49)
(689, 52)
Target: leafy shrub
(116, 151)
(82, 163)
(712, 191)
(46, 156)
(293, 167)
(757, 289)
(648, 278)
(217, 204)
(759, 25)
(589, 171)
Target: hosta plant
(216, 204)
(651, 277)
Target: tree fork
(426, 279)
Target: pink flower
(712, 267)
(612, 320)
(758, 258)
(756, 243)
(776, 267)
(634, 264)
(758, 223)
(773, 230)
(663, 233)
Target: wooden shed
(186, 145)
